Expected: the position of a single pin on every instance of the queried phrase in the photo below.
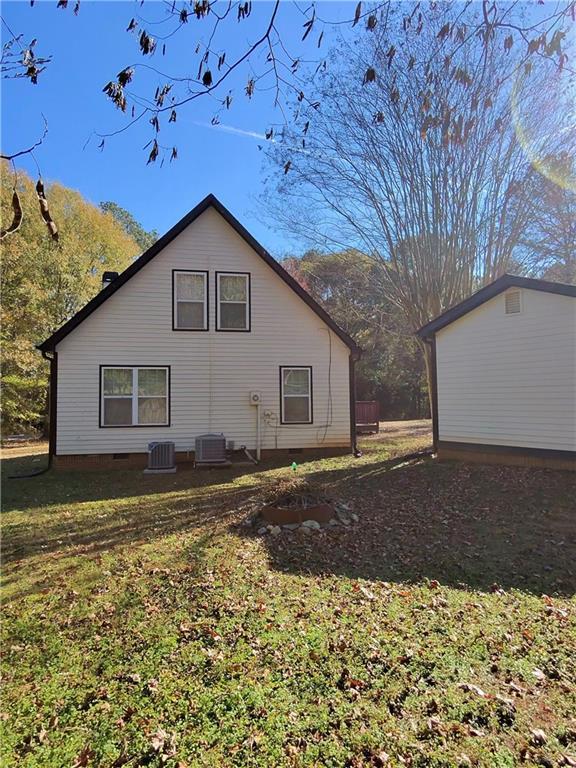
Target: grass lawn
(143, 624)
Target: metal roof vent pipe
(107, 278)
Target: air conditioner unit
(255, 398)
(210, 450)
(161, 458)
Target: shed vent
(513, 304)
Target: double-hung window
(232, 301)
(190, 298)
(134, 397)
(296, 395)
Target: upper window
(232, 301)
(513, 302)
(134, 397)
(190, 297)
(296, 395)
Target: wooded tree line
(44, 282)
(348, 284)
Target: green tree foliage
(44, 282)
(348, 285)
(129, 224)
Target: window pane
(233, 288)
(190, 287)
(152, 381)
(189, 314)
(296, 409)
(117, 411)
(233, 316)
(296, 382)
(152, 410)
(118, 381)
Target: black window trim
(206, 274)
(134, 426)
(217, 307)
(281, 381)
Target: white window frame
(134, 397)
(308, 369)
(246, 276)
(175, 300)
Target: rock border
(343, 517)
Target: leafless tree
(419, 165)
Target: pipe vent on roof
(512, 302)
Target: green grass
(143, 624)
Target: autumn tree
(129, 224)
(44, 282)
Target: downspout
(52, 395)
(258, 439)
(434, 391)
(352, 381)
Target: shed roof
(487, 293)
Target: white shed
(204, 333)
(505, 375)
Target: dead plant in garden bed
(290, 502)
(294, 492)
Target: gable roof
(209, 202)
(487, 293)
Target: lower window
(296, 395)
(134, 396)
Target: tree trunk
(429, 363)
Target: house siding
(510, 380)
(212, 373)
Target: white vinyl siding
(190, 292)
(510, 379)
(134, 397)
(211, 373)
(232, 301)
(296, 395)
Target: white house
(505, 375)
(175, 346)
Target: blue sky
(87, 51)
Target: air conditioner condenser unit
(161, 458)
(210, 451)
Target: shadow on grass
(59, 487)
(468, 526)
(463, 525)
(127, 523)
